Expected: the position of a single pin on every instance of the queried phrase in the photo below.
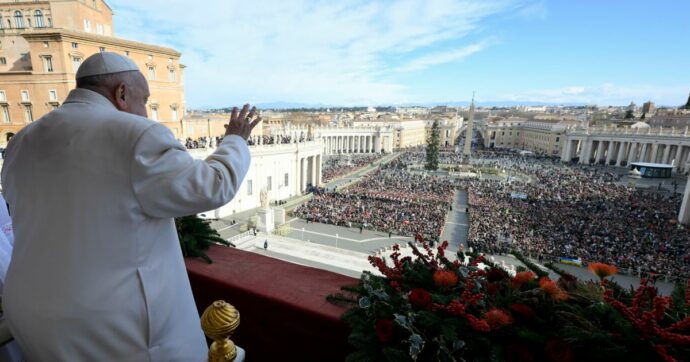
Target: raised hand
(242, 122)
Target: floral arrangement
(427, 308)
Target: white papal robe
(97, 273)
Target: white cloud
(604, 94)
(428, 60)
(304, 51)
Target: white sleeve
(168, 182)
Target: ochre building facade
(43, 44)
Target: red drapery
(283, 309)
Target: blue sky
(353, 52)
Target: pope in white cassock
(97, 273)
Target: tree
(629, 114)
(196, 236)
(432, 145)
(687, 105)
(644, 116)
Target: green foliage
(432, 147)
(530, 265)
(196, 236)
(629, 114)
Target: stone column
(684, 215)
(609, 153)
(566, 151)
(643, 153)
(667, 153)
(622, 148)
(633, 153)
(676, 159)
(318, 170)
(585, 151)
(377, 144)
(303, 172)
(655, 151)
(313, 177)
(600, 152)
(352, 144)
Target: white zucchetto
(105, 63)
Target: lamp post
(336, 240)
(302, 234)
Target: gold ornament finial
(219, 322)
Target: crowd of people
(387, 200)
(577, 212)
(543, 208)
(338, 166)
(212, 142)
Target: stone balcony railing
(609, 131)
(285, 315)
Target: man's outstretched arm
(168, 182)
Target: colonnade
(309, 172)
(352, 144)
(620, 152)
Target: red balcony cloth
(283, 309)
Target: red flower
(522, 310)
(602, 270)
(445, 278)
(549, 287)
(558, 350)
(420, 298)
(497, 318)
(521, 278)
(384, 330)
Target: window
(87, 25)
(3, 97)
(28, 114)
(250, 189)
(18, 20)
(39, 19)
(48, 64)
(152, 73)
(76, 62)
(95, 2)
(101, 49)
(25, 96)
(150, 57)
(558, 139)
(173, 110)
(6, 113)
(99, 29)
(3, 61)
(1, 22)
(170, 60)
(75, 45)
(269, 183)
(287, 176)
(171, 75)
(52, 95)
(45, 44)
(154, 113)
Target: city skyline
(420, 52)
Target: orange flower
(522, 277)
(497, 318)
(602, 270)
(549, 287)
(445, 278)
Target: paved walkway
(343, 237)
(457, 223)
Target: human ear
(121, 96)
